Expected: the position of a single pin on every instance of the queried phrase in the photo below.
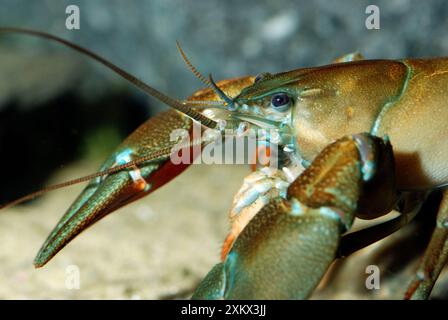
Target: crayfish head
(267, 98)
(270, 103)
(277, 97)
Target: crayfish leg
(281, 254)
(258, 189)
(435, 257)
(286, 248)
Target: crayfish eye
(280, 102)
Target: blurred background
(62, 114)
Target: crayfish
(355, 139)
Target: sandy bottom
(157, 248)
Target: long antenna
(208, 82)
(159, 154)
(198, 75)
(182, 107)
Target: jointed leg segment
(435, 258)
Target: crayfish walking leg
(435, 258)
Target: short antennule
(182, 107)
(208, 82)
(230, 103)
